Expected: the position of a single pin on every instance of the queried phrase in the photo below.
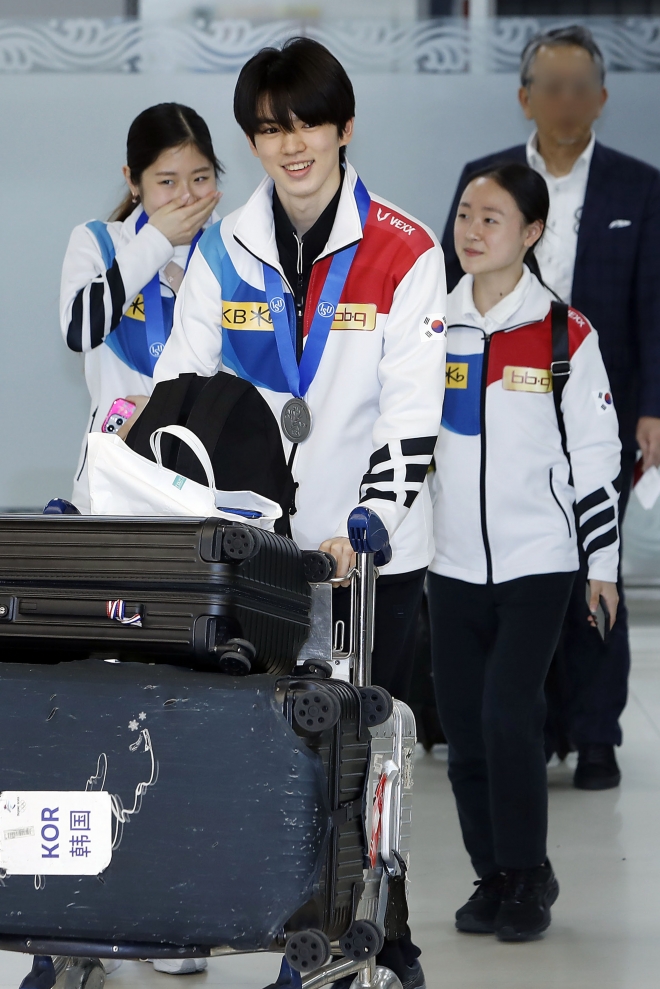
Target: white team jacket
(93, 300)
(377, 396)
(503, 503)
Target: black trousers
(492, 645)
(592, 675)
(395, 628)
(398, 601)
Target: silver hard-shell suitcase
(389, 791)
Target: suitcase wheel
(308, 950)
(318, 567)
(235, 657)
(377, 705)
(316, 710)
(362, 940)
(316, 668)
(238, 543)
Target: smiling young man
(331, 301)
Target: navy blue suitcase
(236, 806)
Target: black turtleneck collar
(313, 242)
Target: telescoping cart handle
(371, 543)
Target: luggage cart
(317, 960)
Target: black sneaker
(413, 977)
(528, 894)
(478, 915)
(597, 768)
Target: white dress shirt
(558, 247)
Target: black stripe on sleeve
(96, 314)
(117, 293)
(379, 456)
(410, 497)
(591, 500)
(74, 331)
(375, 493)
(606, 539)
(416, 473)
(385, 475)
(595, 522)
(419, 446)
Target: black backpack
(237, 427)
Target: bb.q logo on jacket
(433, 327)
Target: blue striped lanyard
(153, 305)
(300, 377)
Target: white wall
(62, 147)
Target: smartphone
(120, 410)
(602, 618)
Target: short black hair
(574, 34)
(301, 78)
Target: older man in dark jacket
(601, 253)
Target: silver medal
(296, 420)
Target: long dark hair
(157, 129)
(528, 190)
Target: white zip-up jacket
(93, 299)
(504, 505)
(376, 398)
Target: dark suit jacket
(616, 282)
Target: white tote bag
(121, 482)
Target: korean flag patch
(603, 400)
(433, 327)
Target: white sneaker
(110, 965)
(179, 966)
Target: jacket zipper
(554, 495)
(91, 427)
(482, 478)
(299, 301)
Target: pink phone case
(120, 411)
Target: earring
(136, 199)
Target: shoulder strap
(560, 368)
(100, 231)
(210, 412)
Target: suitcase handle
(368, 534)
(370, 540)
(72, 609)
(190, 439)
(391, 772)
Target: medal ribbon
(300, 377)
(153, 305)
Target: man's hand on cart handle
(340, 547)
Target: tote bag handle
(191, 440)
